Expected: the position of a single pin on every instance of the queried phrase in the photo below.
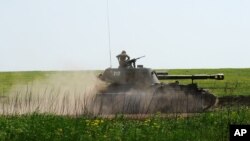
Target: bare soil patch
(234, 101)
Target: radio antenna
(108, 27)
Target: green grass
(206, 127)
(236, 82)
(211, 125)
(8, 79)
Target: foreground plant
(204, 126)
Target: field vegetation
(210, 125)
(236, 82)
(9, 79)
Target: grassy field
(207, 126)
(236, 82)
(9, 79)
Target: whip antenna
(108, 27)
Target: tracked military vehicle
(138, 90)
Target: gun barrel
(193, 77)
(138, 58)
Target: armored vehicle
(138, 90)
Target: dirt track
(234, 101)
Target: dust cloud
(62, 93)
(81, 93)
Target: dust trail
(62, 93)
(81, 93)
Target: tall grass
(204, 126)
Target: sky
(73, 34)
